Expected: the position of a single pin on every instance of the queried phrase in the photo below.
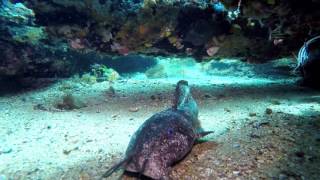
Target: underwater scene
(159, 89)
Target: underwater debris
(164, 138)
(68, 151)
(5, 150)
(268, 111)
(40, 107)
(134, 109)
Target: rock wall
(45, 36)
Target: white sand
(37, 144)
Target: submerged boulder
(17, 23)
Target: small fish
(304, 52)
(309, 63)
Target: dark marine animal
(309, 62)
(164, 138)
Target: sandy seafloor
(266, 127)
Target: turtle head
(183, 100)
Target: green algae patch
(28, 34)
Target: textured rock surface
(264, 30)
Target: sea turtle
(164, 138)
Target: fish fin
(202, 134)
(114, 168)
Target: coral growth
(17, 21)
(39, 32)
(69, 102)
(103, 73)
